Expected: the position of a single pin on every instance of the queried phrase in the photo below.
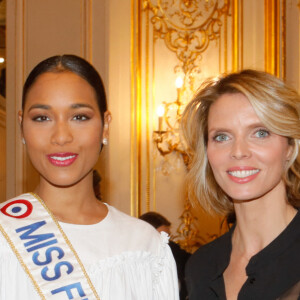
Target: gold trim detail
(136, 110)
(235, 35)
(153, 105)
(184, 27)
(132, 82)
(242, 33)
(139, 111)
(225, 44)
(69, 244)
(148, 144)
(272, 37)
(283, 38)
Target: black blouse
(273, 273)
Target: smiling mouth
(62, 160)
(243, 173)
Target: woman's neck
(75, 204)
(259, 222)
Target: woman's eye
(261, 133)
(221, 137)
(81, 118)
(40, 118)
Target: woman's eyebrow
(225, 129)
(47, 107)
(218, 129)
(40, 106)
(80, 105)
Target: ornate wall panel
(188, 39)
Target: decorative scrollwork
(187, 26)
(187, 235)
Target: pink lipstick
(242, 174)
(62, 159)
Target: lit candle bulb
(179, 84)
(160, 112)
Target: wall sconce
(160, 113)
(167, 138)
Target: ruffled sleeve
(137, 275)
(166, 286)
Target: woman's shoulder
(135, 224)
(209, 253)
(136, 232)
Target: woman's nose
(61, 134)
(240, 149)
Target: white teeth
(62, 158)
(243, 173)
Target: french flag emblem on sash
(43, 250)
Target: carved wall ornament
(187, 26)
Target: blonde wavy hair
(276, 105)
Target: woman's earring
(23, 141)
(105, 141)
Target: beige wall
(118, 38)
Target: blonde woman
(243, 131)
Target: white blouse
(125, 258)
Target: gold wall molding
(187, 27)
(235, 35)
(283, 38)
(275, 33)
(136, 108)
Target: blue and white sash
(43, 250)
